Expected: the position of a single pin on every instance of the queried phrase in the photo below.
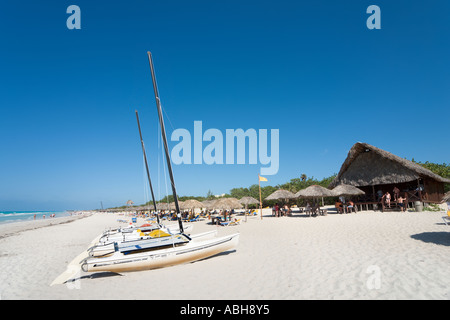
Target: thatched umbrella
(347, 190)
(227, 204)
(281, 194)
(191, 204)
(162, 206)
(246, 201)
(172, 205)
(315, 191)
(209, 204)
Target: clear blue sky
(311, 69)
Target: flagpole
(260, 202)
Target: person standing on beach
(277, 210)
(396, 193)
(401, 203)
(388, 199)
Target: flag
(262, 178)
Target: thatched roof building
(371, 169)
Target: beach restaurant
(376, 172)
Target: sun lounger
(197, 217)
(446, 220)
(230, 223)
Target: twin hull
(119, 262)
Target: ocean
(17, 216)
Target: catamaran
(159, 248)
(146, 236)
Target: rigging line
(145, 184)
(159, 167)
(165, 177)
(167, 116)
(163, 155)
(173, 129)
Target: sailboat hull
(192, 251)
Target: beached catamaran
(139, 237)
(161, 248)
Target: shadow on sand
(440, 238)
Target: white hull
(106, 249)
(194, 250)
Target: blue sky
(311, 69)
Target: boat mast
(146, 166)
(163, 133)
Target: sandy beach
(368, 255)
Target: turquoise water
(17, 216)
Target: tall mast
(146, 166)
(163, 133)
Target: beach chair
(196, 218)
(230, 223)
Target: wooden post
(260, 201)
(418, 188)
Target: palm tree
(303, 177)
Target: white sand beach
(368, 255)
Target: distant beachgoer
(286, 210)
(277, 210)
(339, 206)
(401, 204)
(396, 193)
(380, 195)
(34, 217)
(43, 216)
(388, 199)
(350, 206)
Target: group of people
(43, 216)
(339, 205)
(386, 198)
(283, 211)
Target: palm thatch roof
(347, 190)
(314, 191)
(163, 206)
(281, 194)
(209, 204)
(227, 204)
(191, 204)
(248, 200)
(367, 165)
(446, 196)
